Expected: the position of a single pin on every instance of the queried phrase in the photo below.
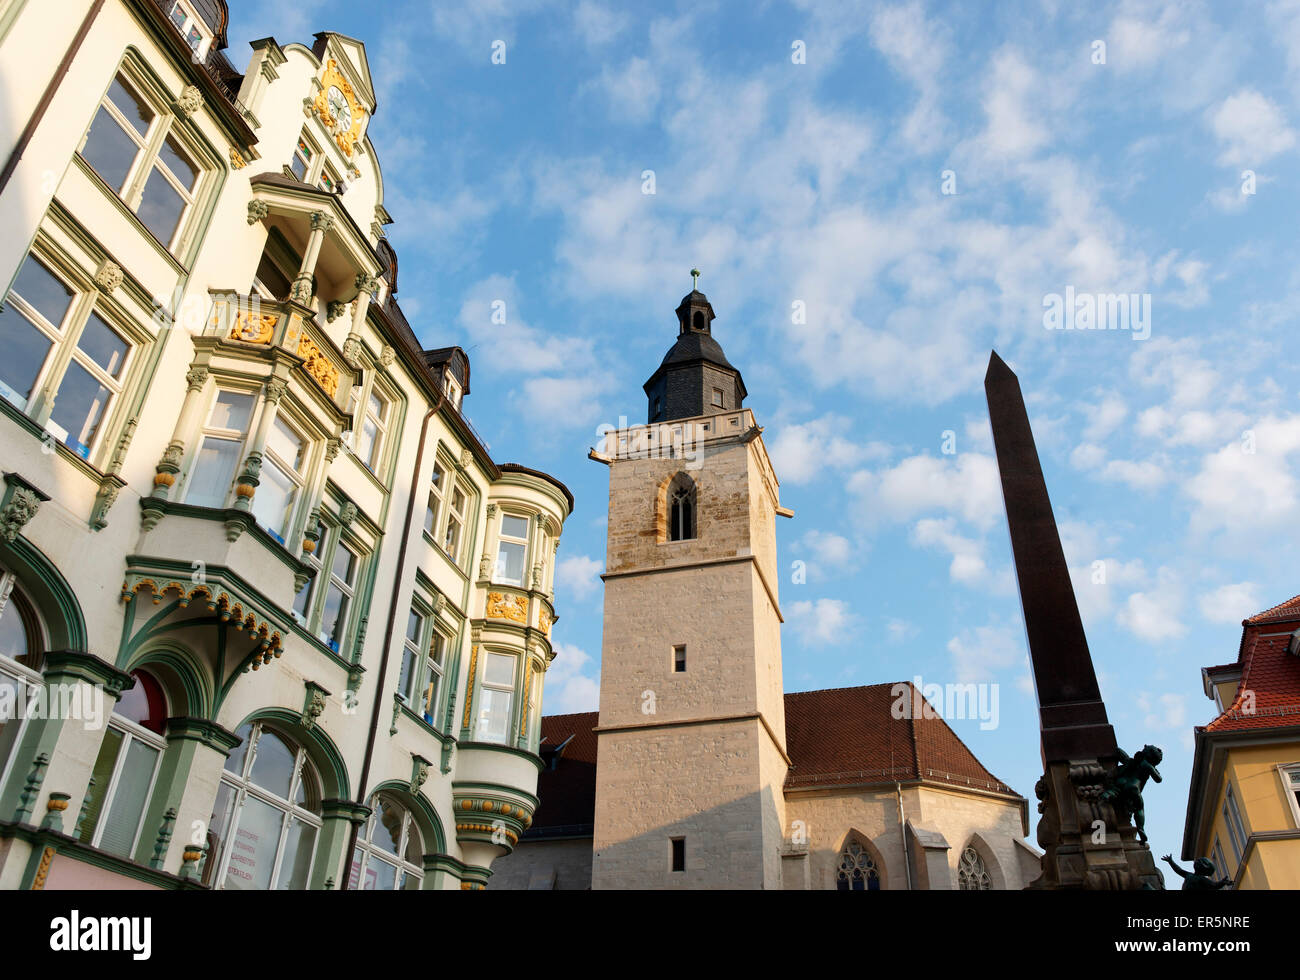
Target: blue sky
(1172, 460)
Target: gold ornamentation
(502, 606)
(237, 160)
(56, 805)
(544, 620)
(164, 479)
(253, 328)
(523, 715)
(318, 366)
(346, 139)
(469, 685)
(42, 872)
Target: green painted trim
(327, 757)
(536, 760)
(351, 810)
(198, 697)
(442, 737)
(79, 666)
(204, 731)
(226, 515)
(420, 805)
(9, 17)
(481, 789)
(72, 848)
(53, 596)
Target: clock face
(339, 106)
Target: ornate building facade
(1243, 808)
(699, 771)
(270, 614)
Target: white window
(435, 501)
(130, 146)
(191, 27)
(266, 818)
(1236, 830)
(1291, 787)
(408, 678)
(338, 596)
(220, 448)
(389, 854)
(370, 445)
(512, 550)
(455, 524)
(39, 321)
(303, 156)
(305, 599)
(125, 769)
(433, 673)
(497, 702)
(330, 181)
(281, 479)
(717, 397)
(21, 646)
(452, 388)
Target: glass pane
(137, 113)
(302, 601)
(213, 472)
(79, 407)
(218, 828)
(414, 626)
(404, 676)
(231, 410)
(273, 766)
(295, 866)
(437, 478)
(436, 646)
(334, 618)
(514, 527)
(13, 632)
(286, 444)
(494, 718)
(458, 501)
(510, 562)
(274, 499)
(11, 691)
(386, 833)
(102, 773)
(452, 538)
(345, 564)
(299, 167)
(430, 514)
(252, 853)
(129, 798)
(430, 705)
(499, 669)
(380, 875)
(44, 291)
(145, 704)
(25, 351)
(270, 276)
(414, 849)
(179, 163)
(178, 15)
(103, 345)
(370, 442)
(161, 207)
(109, 150)
(235, 761)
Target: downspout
(388, 633)
(902, 831)
(39, 115)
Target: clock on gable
(337, 106)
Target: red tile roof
(836, 737)
(1269, 674)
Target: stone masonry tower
(692, 756)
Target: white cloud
(1155, 615)
(968, 565)
(1167, 711)
(829, 554)
(567, 688)
(1250, 128)
(1240, 490)
(597, 23)
(1012, 130)
(979, 652)
(578, 575)
(966, 484)
(828, 621)
(1231, 603)
(802, 452)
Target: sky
(877, 195)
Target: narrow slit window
(679, 659)
(679, 853)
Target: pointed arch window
(972, 875)
(857, 871)
(681, 509)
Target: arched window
(972, 876)
(681, 508)
(266, 818)
(21, 646)
(125, 769)
(390, 854)
(857, 871)
(697, 321)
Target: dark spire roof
(679, 387)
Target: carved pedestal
(1086, 843)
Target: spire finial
(695, 279)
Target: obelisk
(1086, 843)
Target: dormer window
(192, 29)
(452, 389)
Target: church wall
(959, 816)
(828, 816)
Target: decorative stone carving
(466, 457)
(300, 291)
(484, 566)
(257, 210)
(275, 389)
(109, 276)
(387, 355)
(334, 309)
(314, 706)
(321, 221)
(105, 497)
(419, 773)
(318, 367)
(332, 447)
(190, 102)
(196, 378)
(22, 507)
(237, 160)
(347, 513)
(512, 607)
(253, 328)
(352, 351)
(491, 511)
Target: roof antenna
(695, 280)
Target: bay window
(132, 146)
(408, 678)
(455, 524)
(512, 550)
(434, 668)
(125, 768)
(266, 818)
(220, 449)
(497, 701)
(339, 595)
(390, 854)
(373, 428)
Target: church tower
(692, 754)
